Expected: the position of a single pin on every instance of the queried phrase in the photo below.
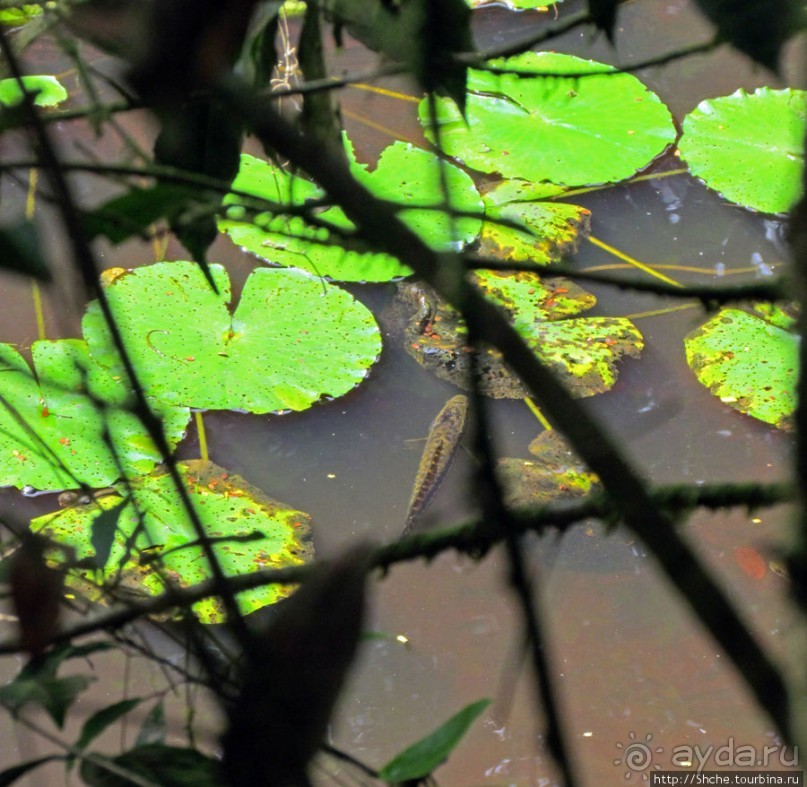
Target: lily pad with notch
(292, 340)
(749, 360)
(554, 118)
(66, 423)
(330, 247)
(154, 544)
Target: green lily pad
(749, 147)
(404, 174)
(551, 230)
(583, 351)
(564, 129)
(557, 472)
(749, 363)
(152, 541)
(293, 339)
(56, 422)
(48, 89)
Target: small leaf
(104, 528)
(10, 775)
(102, 719)
(421, 758)
(48, 89)
(153, 728)
(20, 251)
(13, 17)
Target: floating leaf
(552, 230)
(583, 351)
(749, 363)
(404, 174)
(155, 538)
(565, 129)
(54, 422)
(168, 766)
(292, 340)
(556, 472)
(749, 147)
(421, 758)
(48, 89)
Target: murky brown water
(627, 656)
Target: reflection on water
(627, 656)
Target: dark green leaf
(104, 527)
(99, 721)
(153, 729)
(55, 695)
(10, 775)
(168, 766)
(130, 214)
(759, 29)
(259, 55)
(20, 252)
(421, 758)
(603, 13)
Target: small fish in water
(442, 442)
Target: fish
(442, 442)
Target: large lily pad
(565, 129)
(551, 230)
(142, 543)
(583, 351)
(404, 174)
(556, 472)
(749, 147)
(57, 422)
(292, 340)
(748, 362)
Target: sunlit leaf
(749, 363)
(155, 538)
(19, 15)
(54, 421)
(404, 174)
(552, 124)
(551, 230)
(749, 147)
(48, 89)
(292, 340)
(421, 758)
(20, 251)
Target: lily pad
(152, 543)
(749, 363)
(404, 174)
(48, 89)
(551, 230)
(556, 472)
(545, 125)
(749, 147)
(583, 351)
(293, 339)
(57, 422)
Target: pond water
(629, 660)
